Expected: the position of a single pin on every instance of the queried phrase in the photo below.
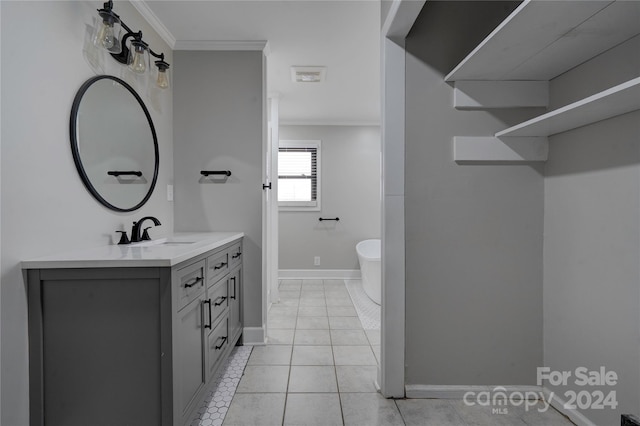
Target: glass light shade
(107, 32)
(139, 57)
(163, 77)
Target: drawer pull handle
(192, 282)
(234, 288)
(208, 302)
(220, 266)
(224, 339)
(237, 255)
(220, 300)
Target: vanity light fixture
(136, 54)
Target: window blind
(297, 174)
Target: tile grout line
(295, 331)
(395, 401)
(335, 367)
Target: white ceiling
(342, 35)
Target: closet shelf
(609, 103)
(542, 39)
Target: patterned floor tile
(218, 400)
(368, 311)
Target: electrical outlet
(316, 261)
(169, 192)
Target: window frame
(304, 205)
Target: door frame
(272, 217)
(401, 17)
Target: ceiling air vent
(308, 74)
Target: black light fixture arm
(126, 27)
(159, 56)
(123, 56)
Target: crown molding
(260, 45)
(143, 8)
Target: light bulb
(137, 62)
(107, 31)
(163, 81)
(107, 36)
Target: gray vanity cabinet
(130, 345)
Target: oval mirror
(114, 143)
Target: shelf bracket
(478, 95)
(490, 149)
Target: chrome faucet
(137, 226)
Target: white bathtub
(369, 253)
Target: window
(299, 175)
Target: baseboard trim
(253, 336)
(319, 274)
(559, 404)
(458, 391)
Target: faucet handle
(123, 238)
(145, 234)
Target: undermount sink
(162, 242)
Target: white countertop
(145, 254)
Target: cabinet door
(217, 344)
(190, 345)
(235, 305)
(99, 361)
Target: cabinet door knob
(220, 300)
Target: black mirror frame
(76, 153)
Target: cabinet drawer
(217, 343)
(235, 254)
(190, 280)
(218, 294)
(217, 266)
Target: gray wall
(219, 104)
(591, 247)
(473, 232)
(45, 207)
(350, 175)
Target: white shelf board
(542, 39)
(609, 103)
(469, 149)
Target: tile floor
(217, 402)
(319, 369)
